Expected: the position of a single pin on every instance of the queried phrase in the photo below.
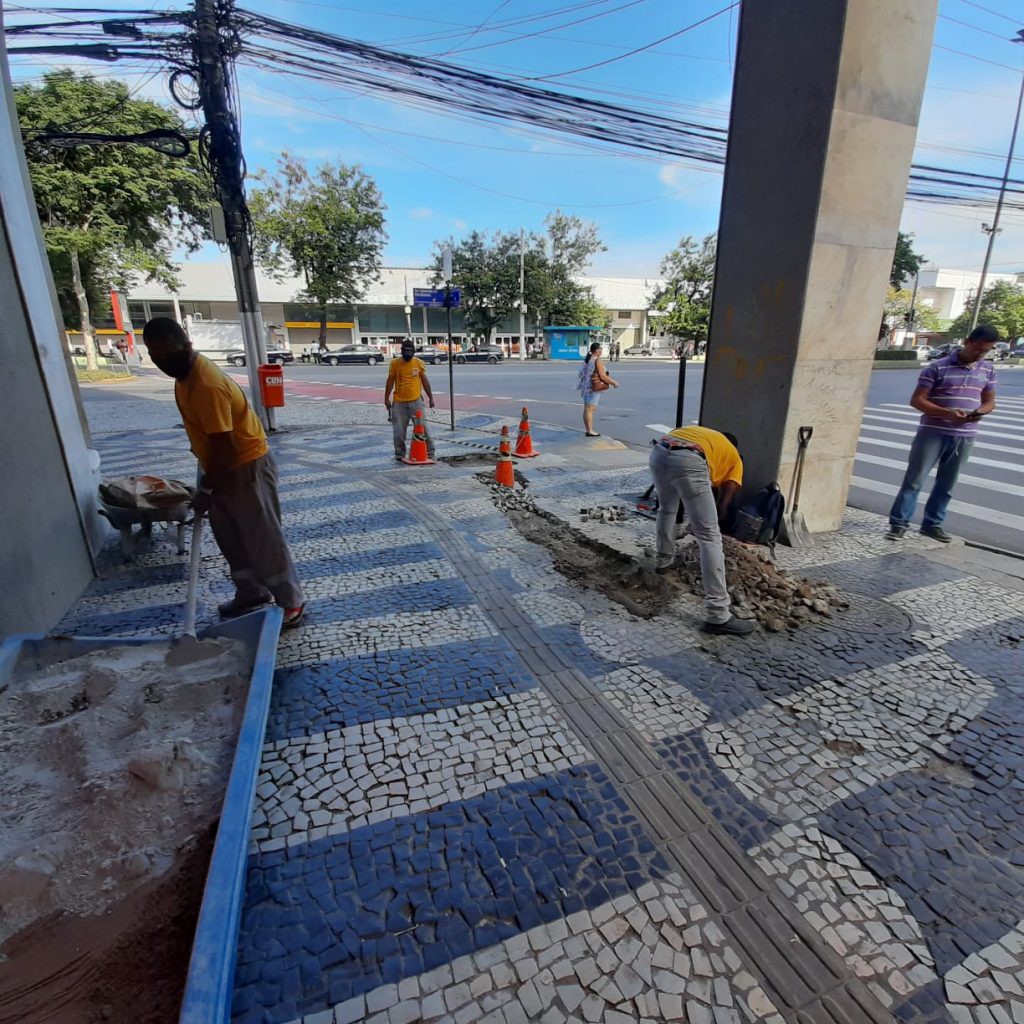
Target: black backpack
(758, 520)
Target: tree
(326, 228)
(107, 211)
(896, 313)
(486, 269)
(568, 246)
(905, 262)
(685, 295)
(1002, 307)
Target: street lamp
(995, 229)
(408, 321)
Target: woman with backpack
(593, 379)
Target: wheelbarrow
(125, 519)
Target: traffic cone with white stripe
(504, 474)
(524, 443)
(418, 449)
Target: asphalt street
(986, 509)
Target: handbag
(596, 384)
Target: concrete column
(49, 473)
(824, 115)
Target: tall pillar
(824, 116)
(50, 474)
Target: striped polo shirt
(954, 385)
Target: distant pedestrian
(239, 476)
(686, 464)
(952, 394)
(593, 379)
(407, 377)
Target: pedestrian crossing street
(987, 506)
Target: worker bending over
(686, 464)
(239, 475)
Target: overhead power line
(277, 46)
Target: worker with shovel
(407, 379)
(686, 464)
(239, 475)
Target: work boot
(896, 533)
(236, 606)
(936, 533)
(731, 627)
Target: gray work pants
(402, 414)
(245, 516)
(681, 476)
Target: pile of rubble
(604, 513)
(762, 591)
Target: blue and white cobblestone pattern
(469, 859)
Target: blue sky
(441, 174)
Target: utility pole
(522, 304)
(994, 229)
(224, 153)
(446, 270)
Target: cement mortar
(109, 764)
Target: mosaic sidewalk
(487, 795)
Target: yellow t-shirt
(406, 378)
(724, 462)
(211, 403)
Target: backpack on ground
(758, 520)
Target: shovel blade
(794, 531)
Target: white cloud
(421, 213)
(460, 225)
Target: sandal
(591, 435)
(292, 617)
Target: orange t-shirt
(211, 403)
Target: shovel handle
(803, 436)
(192, 597)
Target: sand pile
(111, 764)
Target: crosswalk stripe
(887, 418)
(961, 508)
(982, 445)
(976, 460)
(1006, 422)
(964, 479)
(660, 427)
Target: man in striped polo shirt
(952, 394)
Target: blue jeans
(930, 449)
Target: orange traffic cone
(504, 474)
(418, 449)
(524, 443)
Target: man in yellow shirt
(407, 378)
(239, 475)
(686, 464)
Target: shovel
(796, 528)
(187, 648)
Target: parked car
(1000, 351)
(236, 357)
(431, 354)
(939, 351)
(922, 351)
(351, 354)
(481, 354)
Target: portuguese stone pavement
(488, 795)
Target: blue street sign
(434, 297)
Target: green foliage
(685, 296)
(486, 269)
(326, 228)
(897, 310)
(905, 262)
(899, 354)
(1002, 307)
(120, 209)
